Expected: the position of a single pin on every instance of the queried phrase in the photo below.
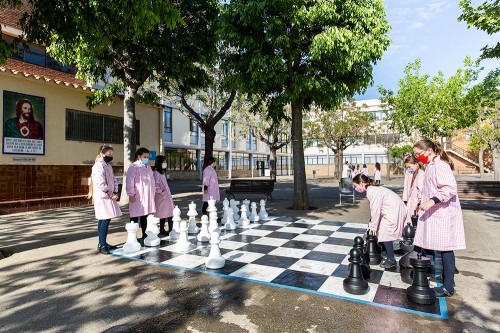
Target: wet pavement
(55, 281)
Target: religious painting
(23, 124)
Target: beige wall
(57, 99)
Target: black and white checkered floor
(301, 254)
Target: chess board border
(443, 309)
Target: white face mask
(164, 165)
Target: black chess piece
(420, 292)
(359, 244)
(355, 283)
(414, 219)
(405, 268)
(373, 250)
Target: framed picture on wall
(23, 124)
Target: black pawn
(420, 292)
(372, 250)
(354, 283)
(359, 244)
(414, 219)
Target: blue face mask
(410, 171)
(145, 160)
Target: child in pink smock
(210, 184)
(163, 198)
(141, 188)
(105, 194)
(440, 225)
(388, 214)
(414, 182)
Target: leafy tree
(136, 41)
(338, 129)
(435, 106)
(485, 98)
(6, 49)
(485, 17)
(302, 52)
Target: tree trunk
(209, 143)
(389, 155)
(129, 140)
(300, 193)
(340, 162)
(272, 163)
(481, 162)
(495, 152)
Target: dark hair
(19, 108)
(361, 178)
(425, 144)
(413, 160)
(364, 165)
(209, 161)
(377, 166)
(158, 162)
(141, 151)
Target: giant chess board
(301, 254)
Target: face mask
(424, 159)
(410, 171)
(164, 165)
(360, 190)
(145, 160)
(107, 159)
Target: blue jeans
(102, 231)
(448, 258)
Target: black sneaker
(442, 292)
(388, 264)
(104, 250)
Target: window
(193, 128)
(224, 134)
(181, 159)
(94, 127)
(167, 124)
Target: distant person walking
(210, 184)
(104, 190)
(440, 225)
(141, 188)
(163, 198)
(364, 171)
(378, 174)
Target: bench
(346, 189)
(478, 189)
(251, 186)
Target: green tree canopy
(301, 52)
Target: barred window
(94, 127)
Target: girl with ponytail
(388, 214)
(441, 225)
(414, 182)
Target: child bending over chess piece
(388, 214)
(440, 224)
(163, 197)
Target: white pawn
(230, 225)
(262, 213)
(183, 244)
(192, 228)
(225, 208)
(234, 205)
(244, 222)
(132, 245)
(204, 235)
(152, 231)
(246, 202)
(215, 260)
(254, 217)
(174, 234)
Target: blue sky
(429, 30)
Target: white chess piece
(132, 245)
(192, 213)
(183, 244)
(230, 225)
(254, 217)
(234, 205)
(225, 208)
(152, 231)
(262, 213)
(246, 202)
(215, 260)
(244, 222)
(174, 234)
(204, 235)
